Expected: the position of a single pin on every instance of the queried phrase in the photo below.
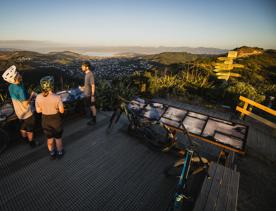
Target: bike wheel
(174, 170)
(152, 139)
(4, 140)
(114, 118)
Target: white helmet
(10, 74)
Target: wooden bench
(219, 191)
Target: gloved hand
(93, 99)
(81, 88)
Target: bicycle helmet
(10, 74)
(47, 83)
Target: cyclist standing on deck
(21, 103)
(51, 106)
(89, 91)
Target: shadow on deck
(99, 171)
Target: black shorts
(88, 103)
(52, 125)
(28, 124)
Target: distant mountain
(154, 50)
(46, 46)
(28, 45)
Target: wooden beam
(257, 105)
(259, 118)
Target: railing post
(245, 108)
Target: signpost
(223, 69)
(232, 54)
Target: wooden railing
(244, 111)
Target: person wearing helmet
(21, 103)
(50, 105)
(89, 91)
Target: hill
(193, 76)
(179, 73)
(33, 66)
(168, 58)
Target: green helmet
(47, 83)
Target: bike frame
(179, 195)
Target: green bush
(235, 90)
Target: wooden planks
(219, 191)
(100, 171)
(202, 198)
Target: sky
(192, 23)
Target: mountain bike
(155, 134)
(190, 170)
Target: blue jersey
(19, 94)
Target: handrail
(244, 111)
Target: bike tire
(114, 118)
(152, 140)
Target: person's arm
(27, 102)
(37, 106)
(60, 106)
(93, 90)
(92, 82)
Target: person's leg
(58, 136)
(30, 136)
(93, 110)
(87, 109)
(30, 124)
(59, 146)
(50, 144)
(51, 147)
(23, 134)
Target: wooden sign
(224, 66)
(228, 66)
(223, 74)
(228, 61)
(235, 75)
(218, 70)
(238, 65)
(228, 74)
(232, 54)
(223, 77)
(224, 58)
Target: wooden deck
(115, 171)
(99, 171)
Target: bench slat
(233, 191)
(202, 198)
(220, 191)
(224, 190)
(214, 191)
